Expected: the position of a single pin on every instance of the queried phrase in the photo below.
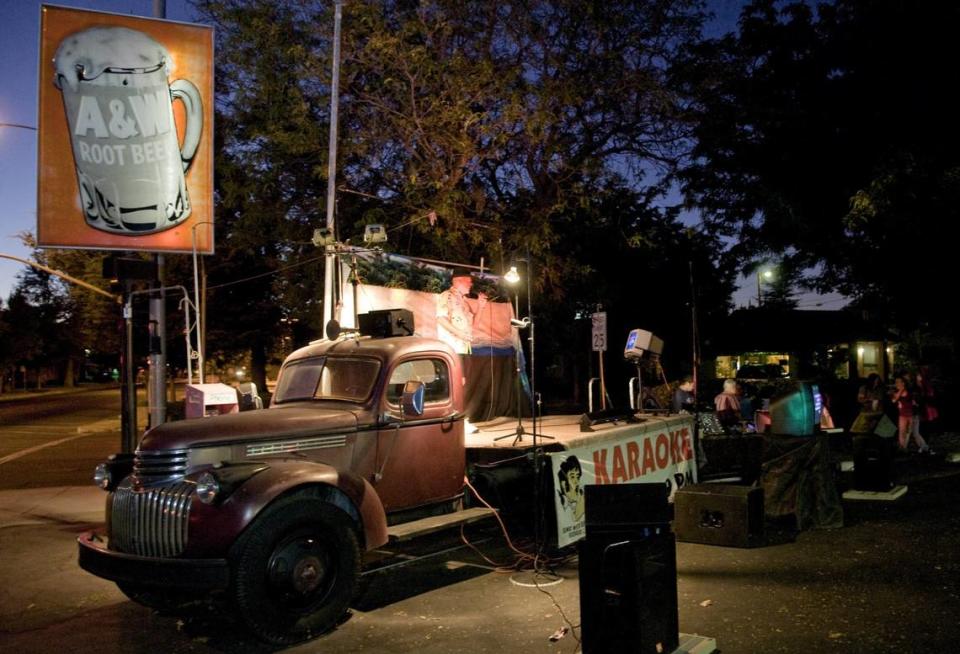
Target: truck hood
(263, 424)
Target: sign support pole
(128, 388)
(157, 393)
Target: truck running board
(416, 528)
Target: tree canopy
(823, 134)
(470, 130)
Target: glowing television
(796, 410)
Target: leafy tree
(41, 309)
(469, 129)
(52, 323)
(271, 145)
(826, 133)
(501, 118)
(635, 261)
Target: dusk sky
(18, 105)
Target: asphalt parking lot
(887, 581)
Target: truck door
(420, 460)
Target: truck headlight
(208, 487)
(101, 476)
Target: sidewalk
(888, 581)
(60, 504)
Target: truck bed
(563, 432)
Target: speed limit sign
(600, 331)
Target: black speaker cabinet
(717, 514)
(873, 463)
(388, 322)
(628, 572)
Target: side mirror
(412, 401)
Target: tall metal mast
(331, 258)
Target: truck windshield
(327, 378)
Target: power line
(267, 274)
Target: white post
(196, 297)
(329, 263)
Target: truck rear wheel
(295, 570)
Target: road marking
(25, 432)
(36, 448)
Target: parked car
(765, 371)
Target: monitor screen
(796, 410)
(817, 404)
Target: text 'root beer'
(119, 106)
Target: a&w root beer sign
(125, 144)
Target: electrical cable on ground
(573, 627)
(523, 558)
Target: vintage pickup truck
(272, 509)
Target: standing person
(455, 317)
(684, 398)
(903, 399)
(871, 393)
(727, 404)
(928, 414)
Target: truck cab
(273, 507)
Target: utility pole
(331, 257)
(157, 392)
(128, 382)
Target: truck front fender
(215, 527)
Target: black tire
(295, 570)
(158, 599)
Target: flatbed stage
(564, 431)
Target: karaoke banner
(643, 453)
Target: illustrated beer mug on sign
(130, 163)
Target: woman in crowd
(871, 393)
(903, 399)
(727, 404)
(928, 414)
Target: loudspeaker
(626, 508)
(628, 571)
(716, 514)
(875, 422)
(873, 463)
(385, 323)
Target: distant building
(766, 343)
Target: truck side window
(432, 372)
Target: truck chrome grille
(153, 467)
(151, 522)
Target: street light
(766, 274)
(512, 277)
(196, 296)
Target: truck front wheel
(295, 570)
